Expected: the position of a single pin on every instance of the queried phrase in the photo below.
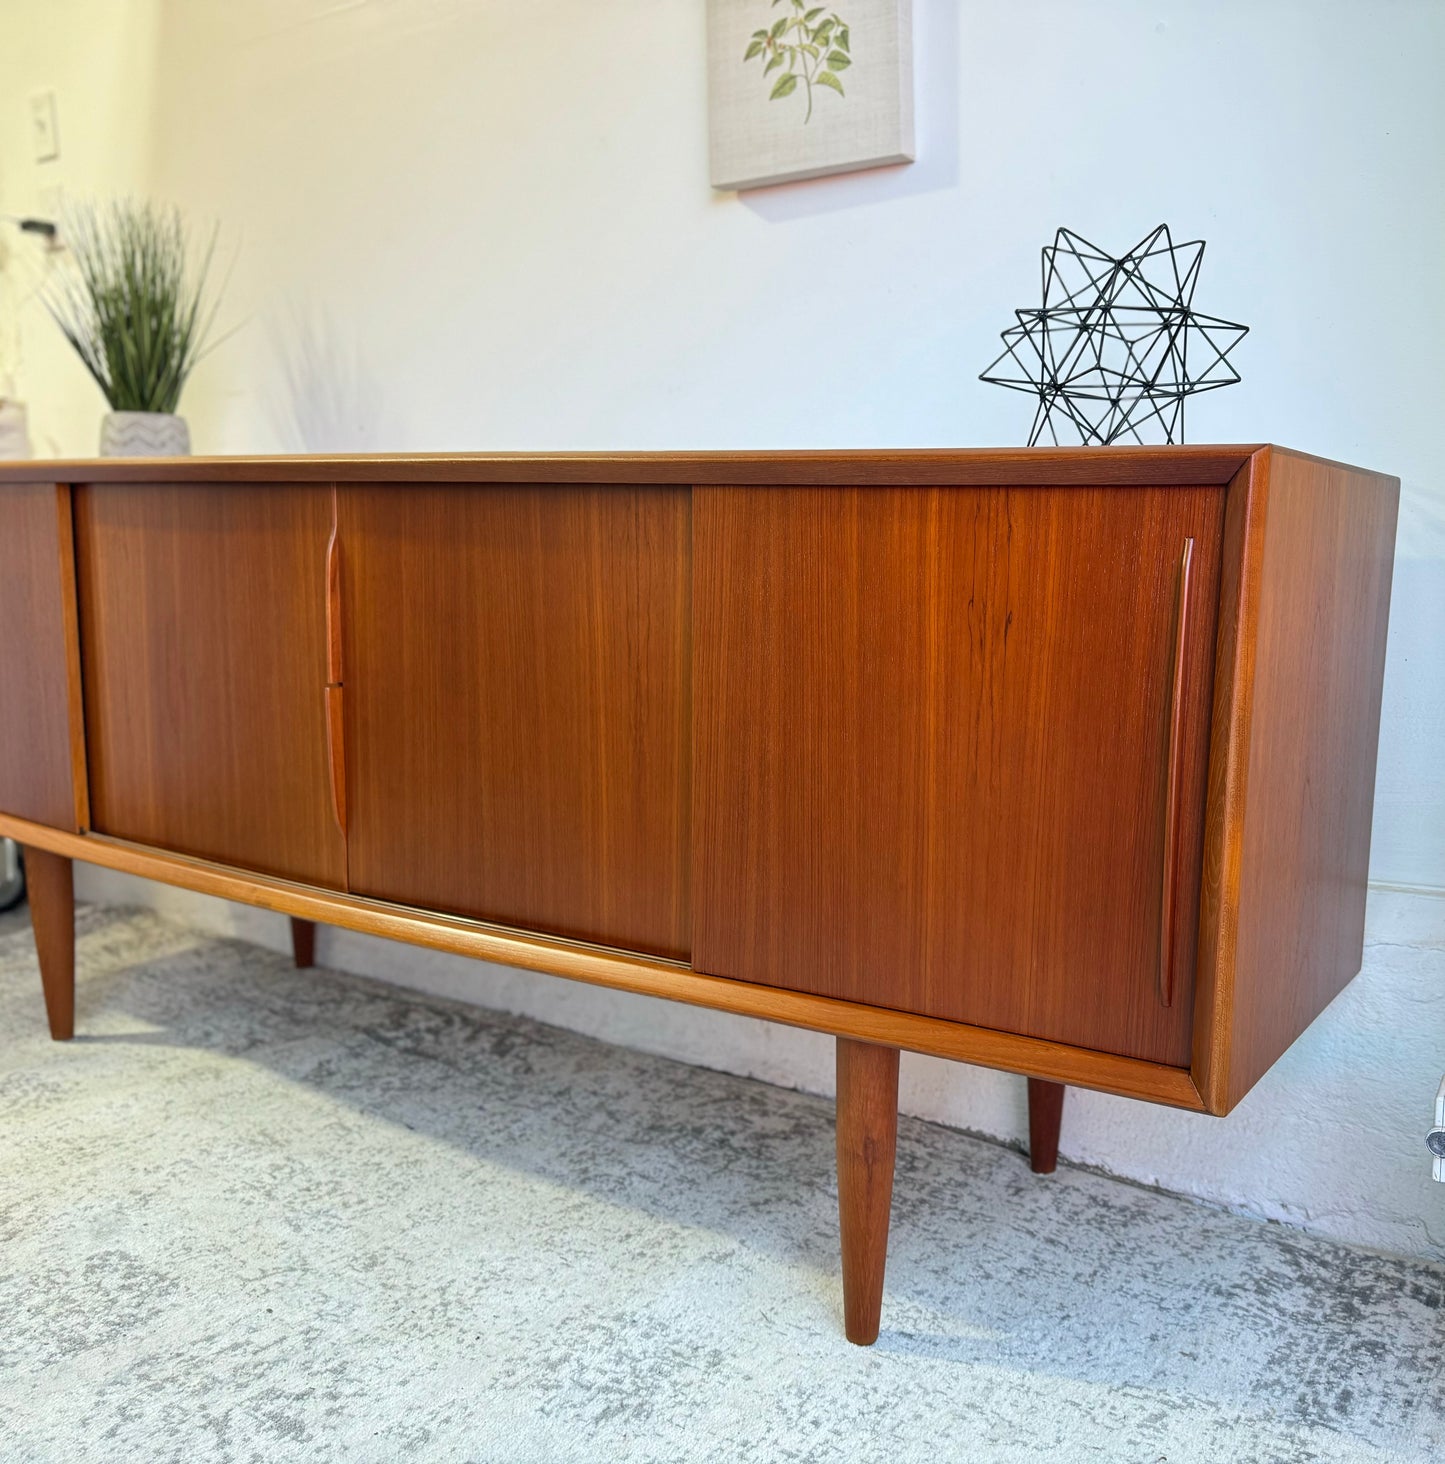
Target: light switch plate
(44, 128)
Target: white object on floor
(1435, 1139)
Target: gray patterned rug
(255, 1214)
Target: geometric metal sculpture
(1116, 346)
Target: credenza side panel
(41, 757)
(202, 610)
(1314, 725)
(932, 731)
(517, 685)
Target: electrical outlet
(44, 129)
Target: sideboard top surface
(1154, 466)
(923, 466)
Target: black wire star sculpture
(1117, 345)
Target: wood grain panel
(1324, 536)
(624, 971)
(517, 705)
(931, 750)
(41, 763)
(203, 628)
(74, 679)
(1238, 621)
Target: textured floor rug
(256, 1214)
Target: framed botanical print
(798, 90)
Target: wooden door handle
(335, 745)
(1169, 863)
(333, 604)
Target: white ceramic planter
(144, 434)
(14, 432)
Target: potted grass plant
(135, 306)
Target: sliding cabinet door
(939, 762)
(203, 630)
(517, 705)
(42, 770)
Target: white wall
(487, 224)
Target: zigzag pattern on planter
(144, 434)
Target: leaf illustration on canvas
(810, 44)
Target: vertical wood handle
(336, 752)
(335, 745)
(1169, 863)
(333, 605)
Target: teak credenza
(1057, 761)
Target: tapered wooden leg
(303, 942)
(51, 889)
(867, 1143)
(1046, 1110)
